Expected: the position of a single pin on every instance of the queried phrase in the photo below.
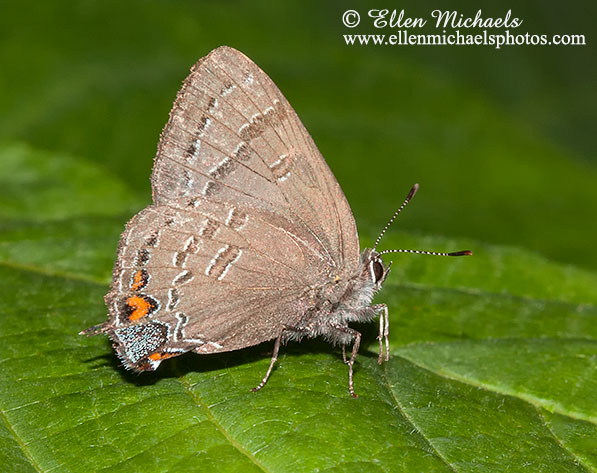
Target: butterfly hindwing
(206, 276)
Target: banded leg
(356, 338)
(384, 331)
(275, 355)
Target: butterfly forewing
(232, 136)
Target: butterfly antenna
(433, 253)
(410, 195)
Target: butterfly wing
(248, 223)
(232, 136)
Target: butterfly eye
(376, 270)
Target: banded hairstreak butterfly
(249, 237)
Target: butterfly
(249, 237)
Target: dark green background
(502, 141)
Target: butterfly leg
(384, 331)
(285, 331)
(342, 332)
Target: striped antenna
(433, 253)
(410, 195)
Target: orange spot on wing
(160, 356)
(139, 280)
(140, 306)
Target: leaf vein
(20, 442)
(410, 421)
(559, 441)
(533, 400)
(219, 426)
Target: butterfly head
(374, 268)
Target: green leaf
(492, 368)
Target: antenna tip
(461, 253)
(413, 191)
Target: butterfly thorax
(341, 301)
(355, 303)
